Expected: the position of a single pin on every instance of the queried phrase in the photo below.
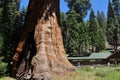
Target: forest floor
(90, 73)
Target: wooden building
(105, 58)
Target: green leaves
(1, 42)
(3, 66)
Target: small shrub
(119, 65)
(87, 68)
(100, 73)
(3, 66)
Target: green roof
(101, 55)
(78, 58)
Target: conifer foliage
(113, 23)
(10, 28)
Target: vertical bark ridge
(56, 59)
(43, 18)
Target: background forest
(79, 36)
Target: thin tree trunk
(43, 21)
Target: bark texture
(40, 53)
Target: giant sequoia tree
(40, 53)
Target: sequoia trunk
(40, 52)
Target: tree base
(40, 54)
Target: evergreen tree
(101, 39)
(11, 20)
(75, 34)
(80, 6)
(10, 24)
(11, 28)
(118, 29)
(83, 38)
(116, 7)
(73, 42)
(96, 34)
(1, 9)
(65, 29)
(2, 63)
(110, 23)
(102, 20)
(74, 29)
(1, 6)
(17, 4)
(92, 30)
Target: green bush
(100, 73)
(119, 65)
(1, 41)
(87, 68)
(3, 66)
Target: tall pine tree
(75, 28)
(102, 20)
(110, 23)
(11, 29)
(73, 42)
(116, 7)
(96, 34)
(65, 30)
(80, 6)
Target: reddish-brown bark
(42, 35)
